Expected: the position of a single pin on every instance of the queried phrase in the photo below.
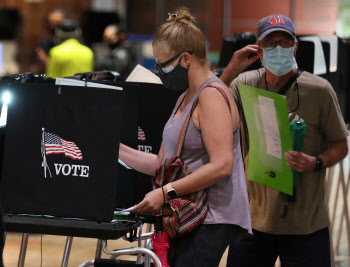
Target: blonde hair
(180, 33)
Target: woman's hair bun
(181, 15)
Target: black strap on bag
(282, 91)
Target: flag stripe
(141, 134)
(56, 145)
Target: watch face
(172, 194)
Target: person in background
(120, 57)
(69, 57)
(211, 147)
(299, 235)
(54, 18)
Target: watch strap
(319, 163)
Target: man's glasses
(159, 67)
(271, 44)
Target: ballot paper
(128, 209)
(141, 74)
(124, 164)
(267, 119)
(270, 126)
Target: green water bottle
(298, 129)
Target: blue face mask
(279, 60)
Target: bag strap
(288, 84)
(185, 125)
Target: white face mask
(171, 67)
(279, 60)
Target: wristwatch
(319, 163)
(171, 192)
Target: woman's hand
(152, 202)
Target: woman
(211, 148)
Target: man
(70, 57)
(54, 18)
(298, 235)
(121, 57)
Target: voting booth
(61, 151)
(60, 157)
(60, 171)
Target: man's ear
(296, 48)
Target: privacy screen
(61, 151)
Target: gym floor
(50, 253)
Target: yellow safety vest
(69, 58)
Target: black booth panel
(343, 77)
(228, 47)
(305, 55)
(126, 183)
(329, 76)
(148, 107)
(156, 106)
(89, 117)
(340, 79)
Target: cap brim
(262, 36)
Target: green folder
(266, 115)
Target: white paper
(141, 74)
(270, 127)
(124, 164)
(129, 209)
(101, 85)
(73, 82)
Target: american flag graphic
(56, 145)
(141, 134)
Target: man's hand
(240, 60)
(152, 202)
(300, 162)
(244, 57)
